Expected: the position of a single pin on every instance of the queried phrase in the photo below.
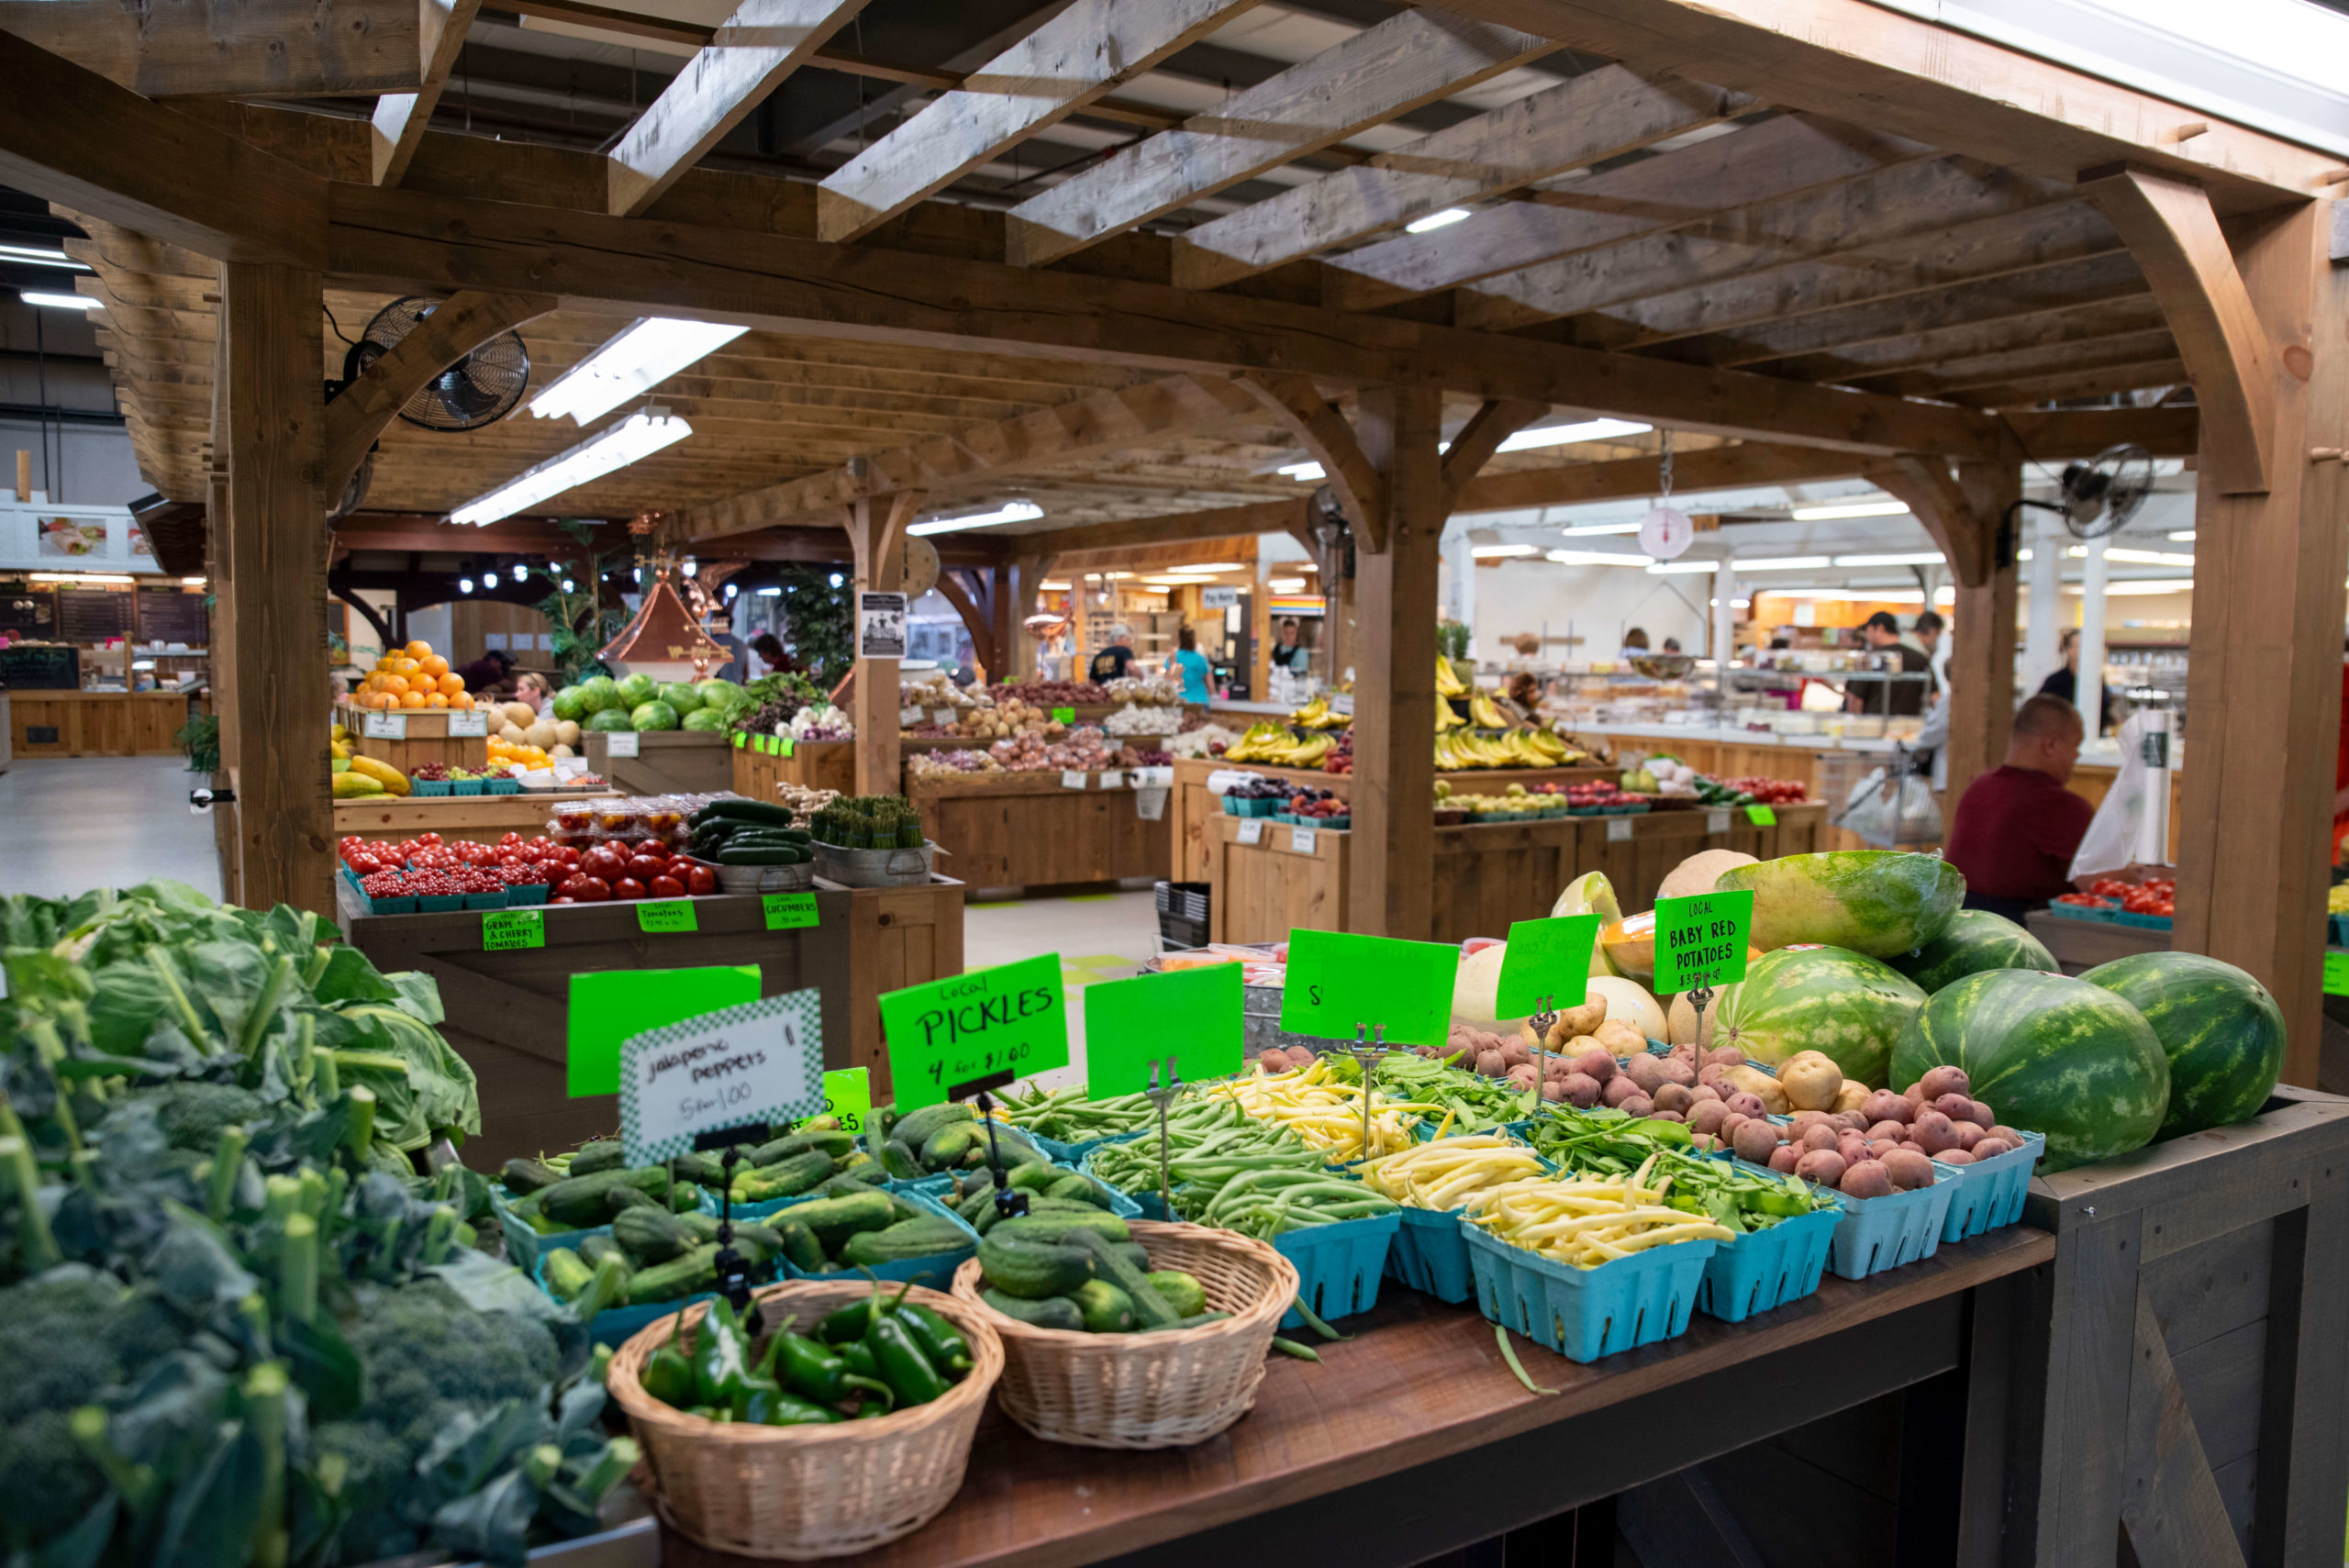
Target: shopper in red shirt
(2018, 827)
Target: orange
(434, 699)
(449, 684)
(405, 667)
(412, 699)
(396, 685)
(461, 702)
(436, 666)
(420, 650)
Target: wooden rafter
(1600, 114)
(250, 48)
(400, 118)
(1939, 503)
(1936, 346)
(1412, 58)
(1070, 62)
(753, 49)
(2173, 235)
(1223, 522)
(1320, 429)
(1474, 446)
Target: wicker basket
(802, 1493)
(1161, 1390)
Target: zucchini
(655, 1235)
(524, 1177)
(1107, 1310)
(578, 1201)
(1033, 1269)
(1052, 1312)
(1152, 1309)
(923, 1238)
(566, 1274)
(603, 1154)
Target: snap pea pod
(1739, 1197)
(1476, 1104)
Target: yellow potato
(1811, 1081)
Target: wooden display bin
(96, 724)
(508, 1012)
(1026, 829)
(667, 761)
(471, 818)
(813, 764)
(428, 739)
(1485, 876)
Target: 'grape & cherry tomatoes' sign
(949, 1038)
(1700, 940)
(1547, 964)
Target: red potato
(1637, 1104)
(1617, 1090)
(1710, 1073)
(1665, 1115)
(1866, 1179)
(1803, 1121)
(1704, 1092)
(1784, 1159)
(1934, 1132)
(1754, 1141)
(1816, 1137)
(1557, 1067)
(1908, 1171)
(1824, 1166)
(1595, 1066)
(1674, 1098)
(1491, 1064)
(1679, 1071)
(1968, 1135)
(1954, 1157)
(1879, 1146)
(1939, 1081)
(1554, 1091)
(1852, 1146)
(1274, 1062)
(1516, 1053)
(1647, 1072)
(1300, 1056)
(1958, 1107)
(1746, 1104)
(1707, 1116)
(1887, 1128)
(1521, 1077)
(1581, 1090)
(1914, 1094)
(1991, 1148)
(1885, 1105)
(1724, 1056)
(1704, 1142)
(2001, 1130)
(1912, 1146)
(1732, 1122)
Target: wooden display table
(667, 761)
(1028, 830)
(1485, 876)
(507, 1011)
(471, 818)
(2083, 944)
(813, 764)
(1193, 803)
(96, 724)
(427, 737)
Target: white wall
(97, 468)
(1598, 604)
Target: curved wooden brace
(1474, 446)
(1926, 486)
(2170, 229)
(464, 321)
(975, 616)
(1320, 429)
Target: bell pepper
(669, 1374)
(939, 1339)
(903, 1366)
(807, 1368)
(721, 1356)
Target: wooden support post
(1260, 638)
(877, 528)
(1392, 891)
(2264, 681)
(275, 419)
(1981, 629)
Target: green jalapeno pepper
(669, 1374)
(859, 1357)
(721, 1356)
(903, 1366)
(940, 1341)
(807, 1368)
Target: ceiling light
(1502, 551)
(1443, 219)
(566, 584)
(1914, 558)
(30, 256)
(615, 446)
(648, 352)
(690, 567)
(2023, 554)
(1053, 587)
(1782, 563)
(1287, 584)
(1216, 566)
(2149, 557)
(521, 572)
(1592, 558)
(59, 301)
(465, 584)
(1733, 603)
(1679, 567)
(1010, 512)
(1886, 508)
(2140, 585)
(193, 582)
(1853, 596)
(2182, 536)
(1172, 579)
(731, 590)
(1303, 472)
(769, 593)
(836, 579)
(1581, 529)
(1566, 435)
(79, 577)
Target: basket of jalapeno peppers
(829, 1418)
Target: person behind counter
(1635, 642)
(2065, 680)
(1288, 654)
(1110, 664)
(1878, 694)
(1190, 666)
(2016, 826)
(492, 672)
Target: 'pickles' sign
(951, 1037)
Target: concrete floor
(68, 825)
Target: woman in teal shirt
(1191, 665)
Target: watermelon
(2048, 1054)
(599, 693)
(679, 696)
(704, 718)
(637, 688)
(718, 694)
(2222, 1031)
(653, 715)
(1882, 902)
(569, 703)
(606, 720)
(1846, 1005)
(1975, 940)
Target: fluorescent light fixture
(79, 577)
(1566, 435)
(1303, 472)
(2182, 536)
(1679, 567)
(2139, 586)
(1287, 584)
(1215, 566)
(1053, 587)
(1733, 603)
(58, 300)
(1443, 219)
(2023, 554)
(32, 256)
(731, 590)
(1502, 551)
(648, 352)
(769, 593)
(615, 446)
(1172, 581)
(1828, 514)
(465, 584)
(192, 582)
(1914, 558)
(1010, 512)
(1582, 530)
(1853, 596)
(1945, 595)
(2150, 557)
(1593, 558)
(1782, 563)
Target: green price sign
(1547, 966)
(740, 737)
(949, 1038)
(665, 914)
(1700, 941)
(1063, 716)
(2336, 973)
(784, 745)
(1761, 816)
(613, 1006)
(502, 930)
(848, 1095)
(790, 911)
(1339, 981)
(766, 744)
(1190, 1017)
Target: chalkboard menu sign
(36, 667)
(26, 614)
(166, 615)
(86, 614)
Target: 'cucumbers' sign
(1700, 940)
(1339, 981)
(949, 1038)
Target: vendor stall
(96, 724)
(761, 765)
(480, 818)
(662, 761)
(1036, 829)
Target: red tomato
(510, 837)
(628, 888)
(586, 889)
(562, 901)
(666, 887)
(604, 862)
(427, 838)
(700, 880)
(644, 868)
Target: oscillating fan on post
(2098, 497)
(480, 388)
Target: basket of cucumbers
(903, 1237)
(1126, 1334)
(928, 1148)
(753, 845)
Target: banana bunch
(1258, 744)
(1485, 713)
(1447, 683)
(1316, 715)
(1445, 718)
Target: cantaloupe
(566, 732)
(520, 714)
(541, 733)
(1698, 873)
(560, 749)
(512, 735)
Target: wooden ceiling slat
(1971, 338)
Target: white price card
(1252, 829)
(568, 767)
(1071, 781)
(762, 1062)
(620, 743)
(385, 726)
(1618, 829)
(1301, 840)
(473, 723)
(1342, 702)
(1716, 821)
(1113, 778)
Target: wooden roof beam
(400, 118)
(1223, 522)
(1602, 114)
(1320, 429)
(1070, 62)
(1409, 60)
(749, 56)
(257, 48)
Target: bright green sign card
(2336, 973)
(502, 930)
(1339, 981)
(612, 1007)
(980, 1025)
(790, 911)
(748, 1066)
(848, 1095)
(1547, 966)
(1190, 1016)
(1700, 941)
(1063, 716)
(665, 914)
(1762, 816)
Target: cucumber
(619, 1200)
(1150, 1307)
(578, 1201)
(1074, 1186)
(789, 1177)
(653, 1235)
(923, 1238)
(740, 810)
(1033, 1269)
(836, 1144)
(1105, 1308)
(1182, 1292)
(834, 1221)
(524, 1177)
(566, 1274)
(701, 1169)
(685, 1198)
(898, 1158)
(1195, 1321)
(603, 1154)
(595, 1248)
(1052, 1312)
(799, 1244)
(780, 855)
(696, 1271)
(950, 1145)
(1062, 1224)
(915, 1126)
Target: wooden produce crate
(507, 1011)
(2178, 1371)
(428, 739)
(1026, 829)
(471, 818)
(667, 761)
(2083, 944)
(96, 724)
(813, 764)
(1260, 892)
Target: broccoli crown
(193, 1113)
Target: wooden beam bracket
(1323, 432)
(1474, 446)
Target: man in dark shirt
(2018, 827)
(1876, 694)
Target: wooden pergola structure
(1891, 248)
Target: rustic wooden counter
(1029, 829)
(813, 764)
(471, 818)
(96, 724)
(667, 761)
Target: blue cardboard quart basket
(1338, 1265)
(1584, 1314)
